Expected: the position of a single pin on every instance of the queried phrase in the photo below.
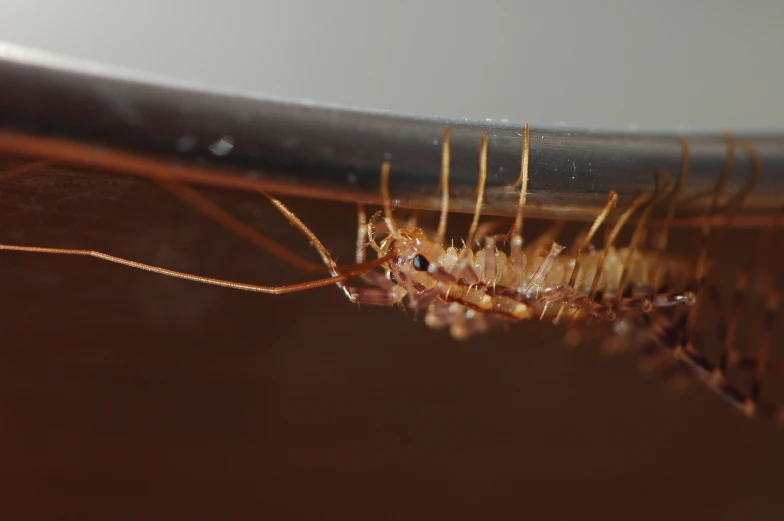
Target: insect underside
(646, 299)
(643, 298)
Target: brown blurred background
(127, 395)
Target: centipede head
(415, 262)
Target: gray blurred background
(662, 64)
(131, 396)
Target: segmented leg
(371, 277)
(763, 356)
(516, 245)
(272, 290)
(480, 189)
(208, 208)
(637, 236)
(728, 324)
(663, 238)
(445, 165)
(608, 245)
(611, 202)
(337, 277)
(676, 336)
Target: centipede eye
(392, 277)
(420, 263)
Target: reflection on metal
(87, 114)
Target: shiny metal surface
(92, 115)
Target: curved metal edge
(335, 152)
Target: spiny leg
(516, 246)
(464, 267)
(385, 292)
(272, 290)
(611, 202)
(637, 235)
(211, 210)
(442, 221)
(613, 343)
(490, 246)
(713, 375)
(636, 203)
(663, 238)
(371, 277)
(198, 201)
(748, 361)
(712, 291)
(480, 194)
(707, 229)
(729, 324)
(763, 355)
(445, 165)
(732, 207)
(362, 234)
(676, 333)
(314, 241)
(763, 364)
(337, 277)
(386, 199)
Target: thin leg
(763, 356)
(386, 199)
(491, 260)
(729, 325)
(732, 357)
(464, 267)
(480, 194)
(729, 354)
(371, 231)
(702, 368)
(445, 165)
(636, 203)
(712, 291)
(314, 241)
(211, 210)
(362, 234)
(702, 260)
(371, 277)
(516, 246)
(541, 273)
(611, 202)
(637, 235)
(676, 193)
(217, 213)
(271, 290)
(376, 296)
(713, 375)
(442, 221)
(221, 216)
